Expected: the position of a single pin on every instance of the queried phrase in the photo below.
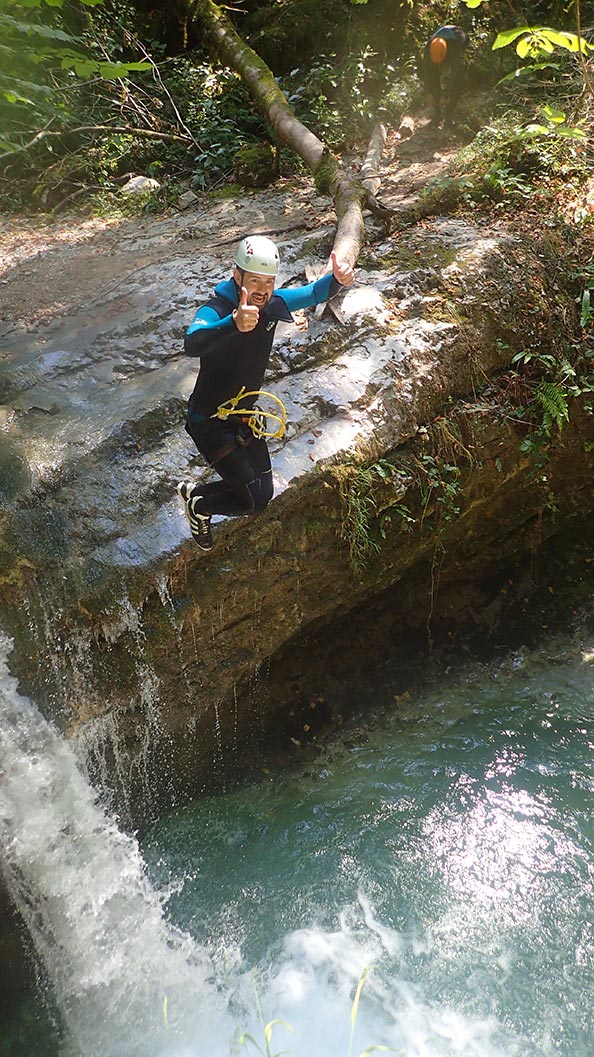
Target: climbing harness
(255, 418)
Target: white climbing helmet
(259, 255)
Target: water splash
(120, 974)
(307, 989)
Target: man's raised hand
(245, 316)
(342, 270)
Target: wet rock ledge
(418, 469)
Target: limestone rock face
(417, 465)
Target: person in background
(443, 72)
(232, 335)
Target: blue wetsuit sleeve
(206, 331)
(313, 294)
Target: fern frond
(553, 400)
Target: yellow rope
(256, 416)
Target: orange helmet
(438, 50)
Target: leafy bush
(339, 98)
(512, 160)
(224, 119)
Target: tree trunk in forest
(330, 176)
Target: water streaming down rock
(119, 973)
(108, 762)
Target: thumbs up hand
(342, 270)
(245, 316)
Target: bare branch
(369, 169)
(128, 131)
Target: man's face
(260, 288)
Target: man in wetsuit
(232, 336)
(443, 72)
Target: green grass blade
(355, 1006)
(371, 1049)
(245, 1037)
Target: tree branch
(375, 149)
(128, 131)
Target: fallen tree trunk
(330, 175)
(369, 170)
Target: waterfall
(127, 984)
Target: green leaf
(268, 1030)
(19, 84)
(385, 1049)
(14, 97)
(532, 45)
(540, 38)
(82, 67)
(473, 3)
(87, 67)
(508, 36)
(543, 44)
(555, 37)
(553, 400)
(551, 114)
(564, 39)
(34, 29)
(569, 132)
(68, 57)
(246, 1037)
(113, 70)
(523, 71)
(137, 65)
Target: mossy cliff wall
(170, 673)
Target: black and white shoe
(199, 523)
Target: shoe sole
(200, 543)
(202, 547)
(196, 537)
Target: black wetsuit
(229, 361)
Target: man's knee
(261, 491)
(261, 503)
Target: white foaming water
(126, 983)
(310, 988)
